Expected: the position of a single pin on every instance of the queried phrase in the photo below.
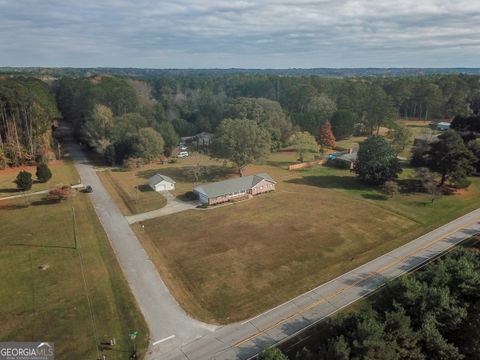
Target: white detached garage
(160, 182)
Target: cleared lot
(44, 296)
(231, 263)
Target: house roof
(427, 137)
(204, 134)
(348, 157)
(158, 178)
(232, 185)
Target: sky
(240, 34)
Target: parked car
(183, 148)
(88, 189)
(182, 154)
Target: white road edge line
(163, 340)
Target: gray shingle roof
(233, 185)
(158, 178)
(348, 157)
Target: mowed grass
(130, 195)
(43, 296)
(61, 174)
(122, 184)
(230, 263)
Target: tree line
(27, 113)
(430, 314)
(122, 118)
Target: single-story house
(160, 182)
(204, 138)
(443, 126)
(343, 159)
(425, 139)
(223, 191)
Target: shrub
(133, 163)
(463, 184)
(272, 354)
(60, 193)
(43, 173)
(190, 195)
(24, 180)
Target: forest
(122, 118)
(431, 314)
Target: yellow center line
(345, 288)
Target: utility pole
(133, 336)
(74, 228)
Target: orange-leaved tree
(326, 137)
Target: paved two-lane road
(178, 337)
(170, 327)
(245, 339)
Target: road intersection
(176, 336)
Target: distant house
(160, 182)
(204, 138)
(223, 191)
(343, 159)
(443, 126)
(425, 139)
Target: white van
(182, 154)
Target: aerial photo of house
(223, 191)
(160, 182)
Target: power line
(85, 285)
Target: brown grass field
(43, 296)
(121, 184)
(230, 263)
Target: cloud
(240, 33)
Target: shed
(160, 182)
(443, 126)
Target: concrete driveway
(173, 206)
(176, 336)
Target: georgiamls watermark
(26, 351)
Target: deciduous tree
(450, 157)
(304, 143)
(343, 124)
(241, 141)
(150, 144)
(391, 187)
(377, 161)
(326, 137)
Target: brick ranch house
(223, 191)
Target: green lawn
(230, 263)
(43, 296)
(122, 184)
(131, 196)
(61, 174)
